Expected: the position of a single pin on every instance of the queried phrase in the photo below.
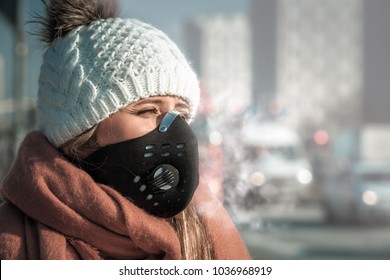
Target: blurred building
(220, 48)
(319, 62)
(263, 20)
(376, 56)
(2, 82)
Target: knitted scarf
(54, 210)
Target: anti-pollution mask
(158, 172)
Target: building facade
(2, 82)
(376, 54)
(319, 62)
(263, 21)
(220, 48)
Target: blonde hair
(194, 241)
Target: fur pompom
(62, 16)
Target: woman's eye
(147, 111)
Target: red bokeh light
(321, 137)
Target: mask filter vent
(164, 177)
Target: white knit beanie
(96, 70)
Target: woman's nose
(165, 114)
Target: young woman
(112, 172)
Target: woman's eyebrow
(180, 104)
(148, 101)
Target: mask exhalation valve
(163, 178)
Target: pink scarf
(54, 210)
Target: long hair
(194, 241)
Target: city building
(320, 62)
(263, 21)
(2, 80)
(220, 48)
(376, 57)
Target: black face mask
(158, 171)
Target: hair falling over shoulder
(194, 241)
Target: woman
(112, 172)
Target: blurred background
(294, 123)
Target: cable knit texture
(95, 70)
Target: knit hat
(95, 70)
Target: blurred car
(276, 166)
(360, 194)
